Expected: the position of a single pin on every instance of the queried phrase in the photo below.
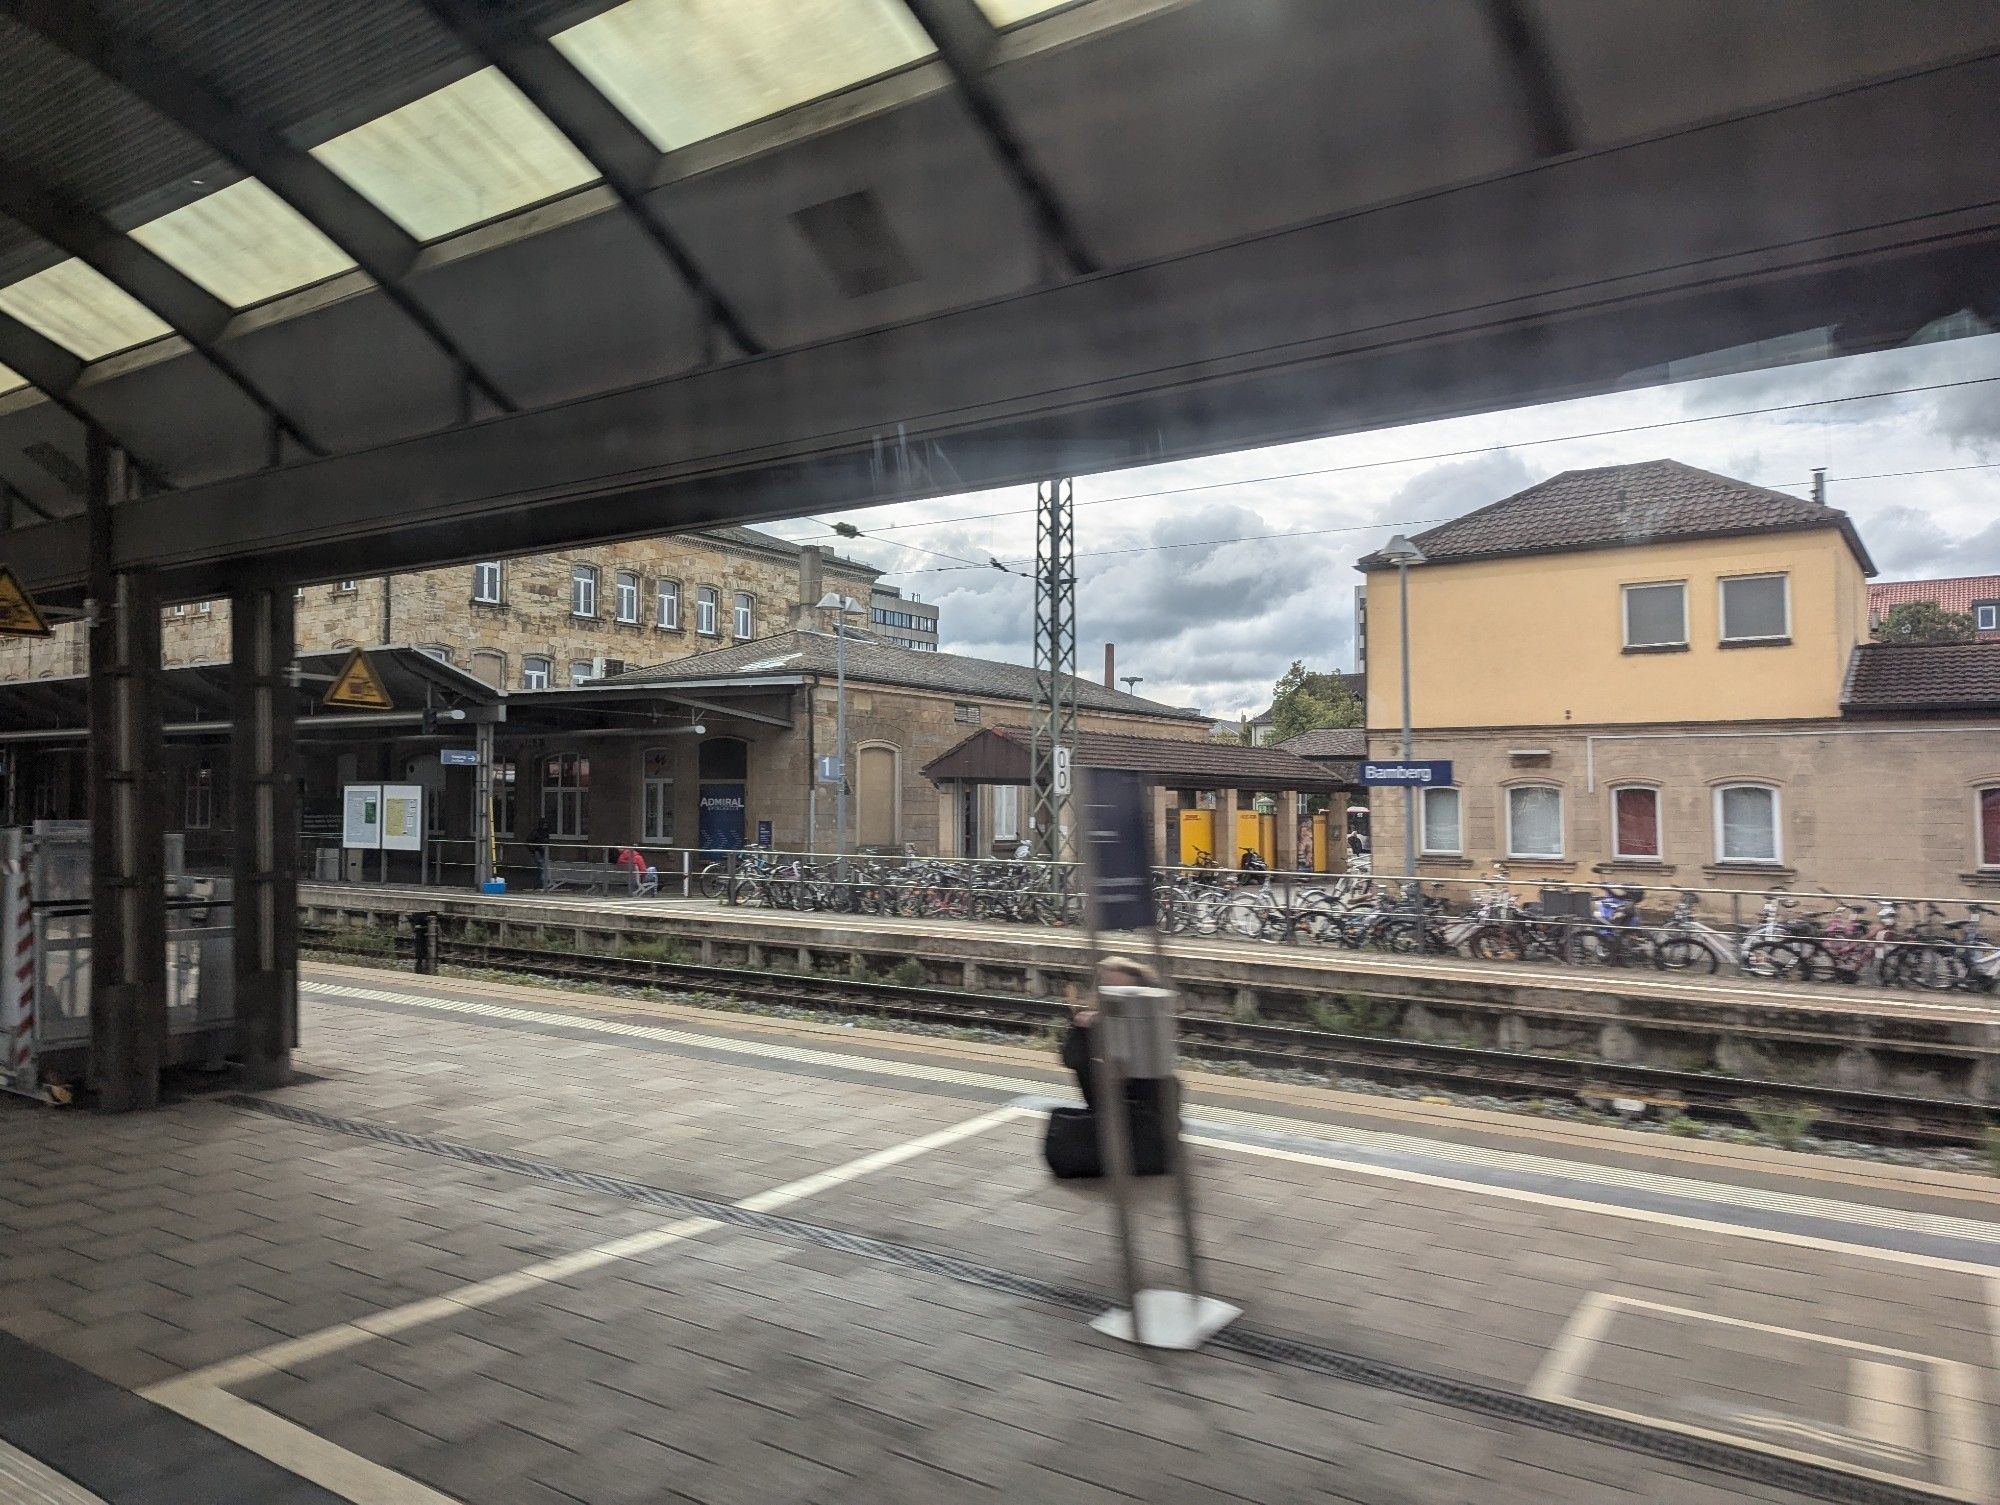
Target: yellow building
(1652, 674)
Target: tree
(1303, 701)
(1924, 622)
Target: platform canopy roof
(362, 287)
(1000, 755)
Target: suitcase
(1069, 1145)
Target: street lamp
(1400, 552)
(845, 606)
(1129, 680)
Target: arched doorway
(723, 764)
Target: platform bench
(597, 878)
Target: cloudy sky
(1177, 565)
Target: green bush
(1356, 1014)
(908, 973)
(1783, 1124)
(1989, 1139)
(1682, 1126)
(664, 948)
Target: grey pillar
(482, 805)
(128, 915)
(263, 795)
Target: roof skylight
(81, 310)
(685, 70)
(243, 243)
(472, 150)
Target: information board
(361, 817)
(1116, 825)
(402, 817)
(1386, 773)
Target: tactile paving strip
(1824, 1483)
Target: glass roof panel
(1013, 12)
(80, 310)
(9, 380)
(243, 243)
(685, 70)
(472, 150)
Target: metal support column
(265, 853)
(1054, 727)
(482, 805)
(128, 879)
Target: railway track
(1846, 1112)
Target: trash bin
(424, 928)
(494, 886)
(1139, 1031)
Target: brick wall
(434, 608)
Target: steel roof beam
(965, 39)
(365, 234)
(54, 372)
(1551, 130)
(184, 305)
(623, 155)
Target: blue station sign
(1405, 775)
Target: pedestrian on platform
(539, 840)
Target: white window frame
(746, 616)
(625, 586)
(1986, 618)
(536, 667)
(488, 582)
(1722, 606)
(583, 591)
(1514, 853)
(586, 676)
(1659, 825)
(1777, 857)
(1625, 611)
(656, 796)
(205, 607)
(708, 611)
(348, 587)
(180, 608)
(1424, 847)
(1006, 812)
(1983, 860)
(667, 605)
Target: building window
(1656, 615)
(1635, 823)
(669, 607)
(583, 591)
(966, 712)
(180, 608)
(1755, 609)
(628, 596)
(1534, 821)
(198, 801)
(1746, 824)
(205, 607)
(442, 655)
(1440, 818)
(1988, 810)
(1006, 812)
(579, 671)
(657, 796)
(486, 582)
(746, 616)
(506, 785)
(535, 672)
(346, 587)
(1986, 616)
(707, 603)
(565, 791)
(298, 593)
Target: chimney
(810, 586)
(1819, 484)
(1110, 666)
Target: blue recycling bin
(494, 886)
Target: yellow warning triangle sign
(19, 616)
(357, 687)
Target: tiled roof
(999, 754)
(1616, 506)
(1328, 742)
(1923, 677)
(1955, 594)
(770, 543)
(870, 662)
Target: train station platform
(510, 1246)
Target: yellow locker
(1254, 833)
(1197, 836)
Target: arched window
(535, 672)
(1748, 824)
(707, 606)
(583, 591)
(668, 615)
(1635, 823)
(877, 790)
(489, 666)
(1986, 818)
(1534, 821)
(746, 616)
(628, 596)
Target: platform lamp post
(843, 607)
(1400, 552)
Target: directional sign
(1402, 775)
(19, 616)
(357, 687)
(459, 757)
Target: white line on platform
(1601, 1209)
(28, 1481)
(1791, 1204)
(201, 1395)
